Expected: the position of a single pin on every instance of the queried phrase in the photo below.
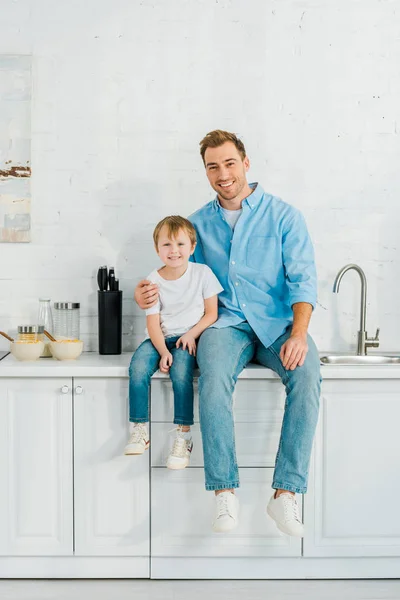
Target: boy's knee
(180, 375)
(138, 368)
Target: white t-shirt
(181, 301)
(232, 216)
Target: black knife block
(110, 322)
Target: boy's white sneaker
(284, 510)
(226, 512)
(139, 440)
(179, 457)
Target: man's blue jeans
(221, 355)
(144, 364)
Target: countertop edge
(91, 364)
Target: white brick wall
(123, 92)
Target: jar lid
(66, 305)
(30, 328)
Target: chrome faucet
(364, 341)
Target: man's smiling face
(226, 171)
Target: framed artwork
(15, 148)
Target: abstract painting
(15, 148)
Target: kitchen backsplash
(117, 116)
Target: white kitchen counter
(91, 364)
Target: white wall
(123, 92)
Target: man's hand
(188, 342)
(165, 362)
(146, 294)
(293, 352)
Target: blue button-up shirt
(265, 265)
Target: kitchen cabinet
(36, 492)
(182, 511)
(354, 483)
(111, 490)
(70, 489)
(256, 444)
(73, 506)
(258, 411)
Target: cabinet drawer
(256, 443)
(182, 514)
(255, 400)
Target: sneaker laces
(291, 508)
(139, 434)
(222, 506)
(180, 444)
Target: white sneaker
(179, 457)
(139, 440)
(284, 510)
(226, 512)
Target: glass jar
(30, 333)
(66, 320)
(45, 318)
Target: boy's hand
(165, 362)
(188, 343)
(146, 294)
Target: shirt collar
(251, 200)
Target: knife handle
(102, 278)
(111, 279)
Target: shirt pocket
(262, 253)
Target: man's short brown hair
(174, 224)
(216, 138)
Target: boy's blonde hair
(216, 138)
(174, 224)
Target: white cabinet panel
(351, 505)
(111, 490)
(256, 443)
(255, 400)
(36, 502)
(182, 514)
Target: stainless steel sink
(354, 359)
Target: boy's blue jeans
(144, 364)
(221, 355)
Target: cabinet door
(254, 400)
(111, 490)
(182, 514)
(350, 509)
(36, 501)
(256, 443)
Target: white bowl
(27, 350)
(66, 350)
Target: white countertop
(91, 364)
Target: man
(259, 248)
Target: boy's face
(174, 252)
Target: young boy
(188, 304)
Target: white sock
(187, 435)
(132, 425)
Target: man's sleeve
(197, 256)
(298, 261)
